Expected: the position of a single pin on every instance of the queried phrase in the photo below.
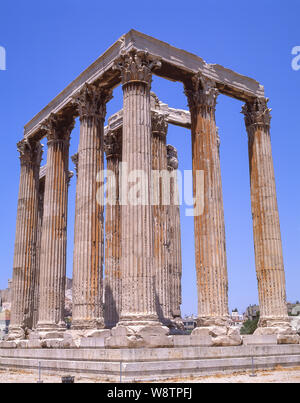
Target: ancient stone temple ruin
(137, 303)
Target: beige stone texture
(89, 221)
(25, 262)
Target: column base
(139, 333)
(15, 333)
(46, 331)
(86, 325)
(280, 327)
(219, 330)
(87, 338)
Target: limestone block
(98, 333)
(53, 343)
(124, 342)
(221, 341)
(201, 331)
(35, 343)
(92, 342)
(295, 323)
(8, 344)
(51, 335)
(22, 343)
(158, 341)
(257, 340)
(192, 341)
(288, 339)
(285, 330)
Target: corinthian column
(26, 237)
(210, 249)
(113, 280)
(54, 227)
(174, 240)
(138, 300)
(89, 241)
(42, 177)
(266, 227)
(159, 167)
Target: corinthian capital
(31, 152)
(136, 66)
(159, 123)
(201, 91)
(91, 101)
(58, 128)
(257, 112)
(172, 157)
(113, 143)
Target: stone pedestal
(54, 229)
(113, 278)
(24, 269)
(138, 314)
(266, 228)
(89, 222)
(210, 248)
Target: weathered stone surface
(174, 243)
(192, 341)
(138, 300)
(219, 335)
(151, 364)
(283, 329)
(160, 258)
(113, 251)
(211, 265)
(288, 339)
(54, 227)
(295, 323)
(266, 227)
(249, 340)
(89, 221)
(24, 268)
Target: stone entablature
(176, 65)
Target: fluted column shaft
(266, 227)
(174, 237)
(159, 165)
(26, 237)
(138, 302)
(38, 251)
(89, 231)
(113, 280)
(210, 250)
(54, 227)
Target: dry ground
(279, 375)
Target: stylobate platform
(150, 364)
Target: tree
(250, 326)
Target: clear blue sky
(49, 43)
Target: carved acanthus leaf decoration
(201, 91)
(91, 101)
(136, 66)
(256, 112)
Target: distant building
(236, 319)
(4, 321)
(190, 322)
(252, 312)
